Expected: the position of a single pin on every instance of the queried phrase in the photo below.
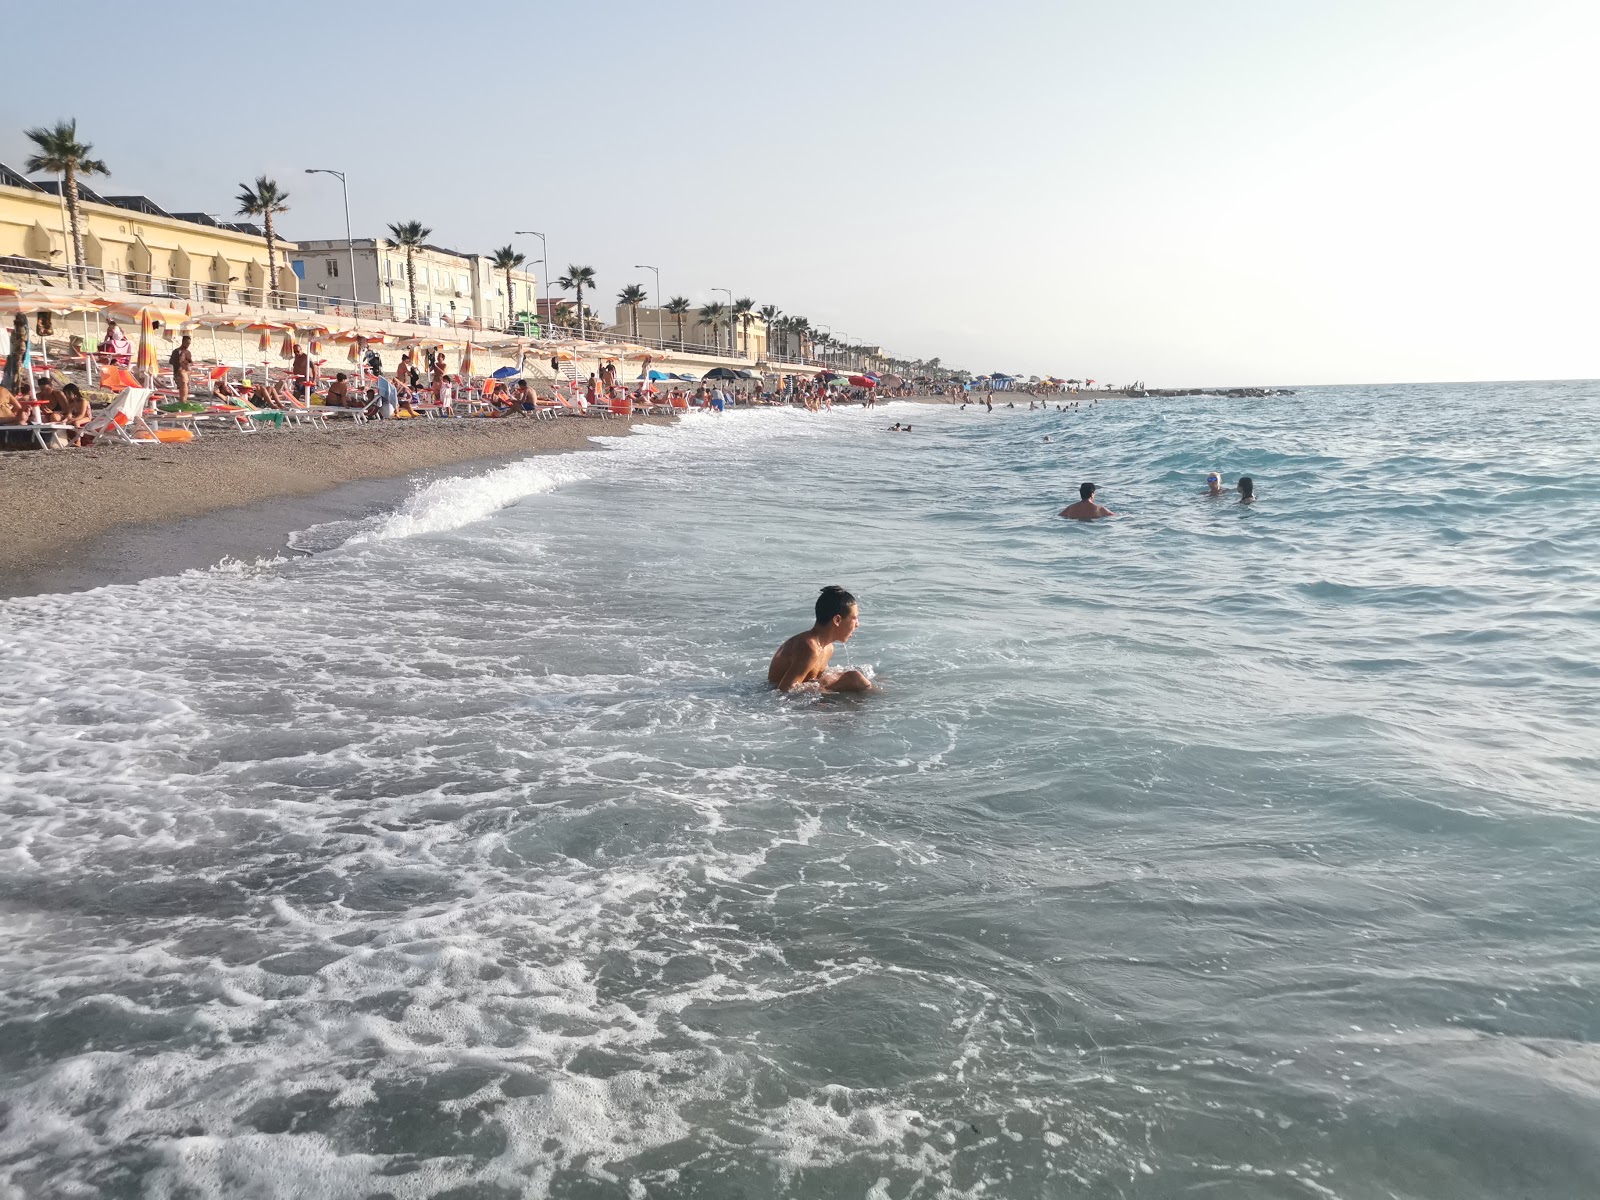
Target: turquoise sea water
(1208, 851)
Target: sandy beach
(114, 513)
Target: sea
(1211, 850)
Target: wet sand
(118, 513)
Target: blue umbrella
(506, 373)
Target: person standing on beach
(180, 360)
(1086, 508)
(804, 658)
(301, 371)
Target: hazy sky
(1181, 191)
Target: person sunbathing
(225, 391)
(338, 392)
(266, 396)
(12, 410)
(72, 409)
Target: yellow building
(132, 245)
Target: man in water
(1087, 508)
(804, 658)
(1214, 484)
(1247, 490)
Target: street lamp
(355, 294)
(657, 270)
(546, 260)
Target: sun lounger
(37, 437)
(122, 418)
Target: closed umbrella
(466, 361)
(146, 362)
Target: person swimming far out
(1247, 490)
(804, 658)
(1214, 484)
(1086, 508)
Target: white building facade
(451, 287)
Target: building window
(333, 268)
(298, 266)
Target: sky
(1180, 192)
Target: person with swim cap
(804, 658)
(1214, 486)
(1087, 508)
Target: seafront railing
(204, 295)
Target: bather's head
(838, 615)
(1247, 489)
(1086, 491)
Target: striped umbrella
(286, 350)
(147, 363)
(466, 360)
(265, 344)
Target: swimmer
(1087, 508)
(895, 428)
(804, 658)
(1047, 437)
(1214, 485)
(1247, 490)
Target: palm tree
(714, 314)
(266, 200)
(409, 236)
(772, 315)
(801, 328)
(633, 295)
(575, 280)
(506, 259)
(61, 151)
(678, 306)
(744, 309)
(564, 315)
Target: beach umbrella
(719, 373)
(286, 347)
(862, 381)
(505, 373)
(466, 360)
(892, 381)
(146, 363)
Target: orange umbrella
(265, 343)
(355, 351)
(286, 350)
(466, 360)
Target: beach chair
(47, 436)
(122, 418)
(620, 406)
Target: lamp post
(657, 270)
(349, 242)
(731, 336)
(548, 315)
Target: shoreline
(117, 514)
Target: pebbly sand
(117, 513)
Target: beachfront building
(452, 287)
(132, 244)
(738, 338)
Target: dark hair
(834, 602)
(1247, 486)
(1085, 490)
(341, 374)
